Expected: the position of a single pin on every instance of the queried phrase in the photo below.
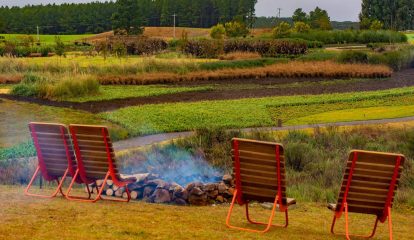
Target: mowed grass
(253, 112)
(410, 38)
(121, 92)
(32, 218)
(46, 39)
(14, 117)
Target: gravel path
(152, 139)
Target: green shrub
(26, 149)
(236, 29)
(299, 156)
(22, 51)
(218, 32)
(396, 59)
(282, 30)
(45, 50)
(351, 36)
(353, 57)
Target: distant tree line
(393, 14)
(129, 15)
(58, 19)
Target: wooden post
(279, 123)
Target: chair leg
(268, 224)
(261, 223)
(347, 226)
(58, 189)
(389, 222)
(82, 199)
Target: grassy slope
(240, 113)
(26, 217)
(47, 39)
(23, 113)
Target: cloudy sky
(339, 10)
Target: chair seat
(332, 206)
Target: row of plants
(210, 48)
(241, 113)
(9, 49)
(348, 36)
(131, 45)
(292, 69)
(397, 59)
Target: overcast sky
(339, 10)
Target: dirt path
(157, 138)
(399, 79)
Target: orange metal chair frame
(43, 169)
(387, 208)
(238, 197)
(82, 173)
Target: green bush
(45, 50)
(26, 149)
(22, 51)
(218, 32)
(236, 29)
(397, 59)
(299, 156)
(351, 56)
(351, 36)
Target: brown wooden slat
(257, 167)
(373, 173)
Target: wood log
(115, 188)
(135, 194)
(109, 182)
(109, 192)
(99, 183)
(119, 192)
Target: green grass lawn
(410, 38)
(14, 117)
(110, 92)
(47, 39)
(258, 112)
(32, 218)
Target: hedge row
(270, 48)
(350, 36)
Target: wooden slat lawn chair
(55, 155)
(368, 187)
(96, 159)
(259, 169)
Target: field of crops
(259, 112)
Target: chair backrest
(54, 149)
(94, 152)
(370, 181)
(259, 168)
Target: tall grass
(50, 88)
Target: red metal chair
(96, 160)
(55, 155)
(368, 187)
(259, 169)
